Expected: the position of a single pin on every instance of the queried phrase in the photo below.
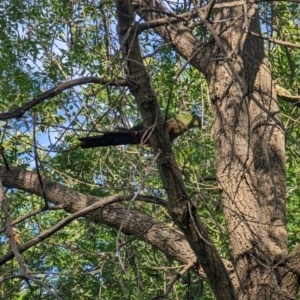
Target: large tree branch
(161, 236)
(177, 35)
(187, 16)
(19, 112)
(168, 240)
(62, 223)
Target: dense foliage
(45, 43)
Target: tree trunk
(250, 159)
(249, 145)
(183, 213)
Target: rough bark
(249, 158)
(267, 140)
(180, 208)
(249, 146)
(168, 240)
(177, 35)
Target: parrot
(176, 125)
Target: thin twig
(131, 203)
(33, 213)
(9, 231)
(37, 162)
(176, 278)
(272, 40)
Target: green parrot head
(179, 124)
(189, 120)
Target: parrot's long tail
(112, 138)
